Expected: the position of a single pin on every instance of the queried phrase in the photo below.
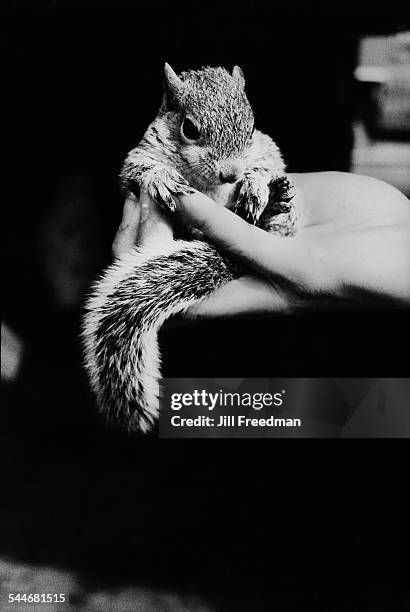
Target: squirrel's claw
(284, 189)
(163, 183)
(252, 199)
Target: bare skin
(354, 247)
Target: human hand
(353, 249)
(145, 224)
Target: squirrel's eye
(190, 131)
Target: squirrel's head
(210, 122)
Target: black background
(81, 82)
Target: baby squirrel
(203, 137)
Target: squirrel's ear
(237, 74)
(173, 85)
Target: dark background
(82, 80)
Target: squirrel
(203, 137)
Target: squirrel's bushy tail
(128, 305)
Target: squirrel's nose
(230, 176)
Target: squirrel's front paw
(284, 189)
(162, 183)
(252, 198)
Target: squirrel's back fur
(223, 157)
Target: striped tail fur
(127, 307)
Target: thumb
(224, 227)
(267, 253)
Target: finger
(224, 227)
(244, 296)
(155, 225)
(289, 258)
(126, 236)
